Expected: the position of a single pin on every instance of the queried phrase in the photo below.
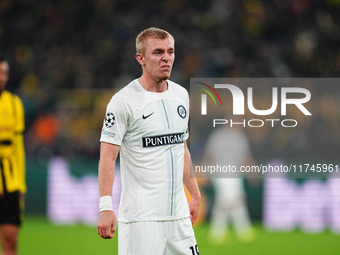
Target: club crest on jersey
(181, 111)
(110, 119)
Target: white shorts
(157, 238)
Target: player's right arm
(107, 221)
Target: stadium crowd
(63, 52)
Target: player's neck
(153, 86)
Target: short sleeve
(19, 115)
(187, 104)
(115, 122)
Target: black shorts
(11, 208)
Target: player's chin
(165, 76)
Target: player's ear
(140, 59)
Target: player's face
(4, 69)
(158, 58)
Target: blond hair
(151, 32)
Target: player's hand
(22, 197)
(107, 224)
(194, 206)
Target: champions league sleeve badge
(110, 120)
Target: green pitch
(39, 237)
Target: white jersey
(151, 129)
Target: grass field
(39, 237)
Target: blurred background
(67, 58)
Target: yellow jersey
(12, 153)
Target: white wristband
(105, 203)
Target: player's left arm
(191, 184)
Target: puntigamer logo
(282, 99)
(160, 140)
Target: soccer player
(229, 146)
(12, 164)
(148, 122)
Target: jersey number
(194, 250)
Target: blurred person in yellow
(12, 164)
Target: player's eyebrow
(158, 49)
(162, 50)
